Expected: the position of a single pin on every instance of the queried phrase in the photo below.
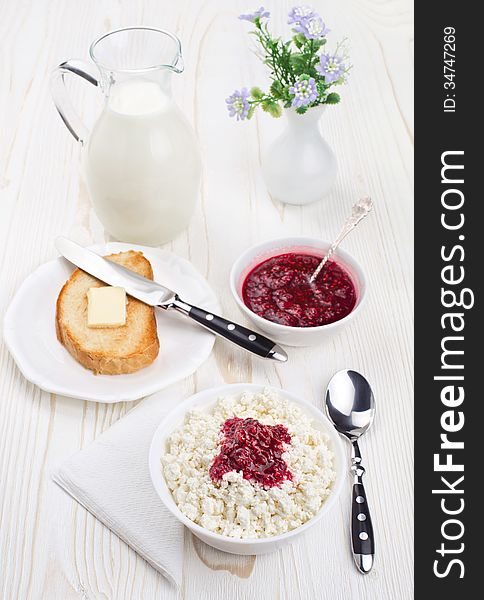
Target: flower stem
(311, 51)
(272, 53)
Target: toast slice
(107, 351)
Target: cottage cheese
(236, 507)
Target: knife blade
(148, 291)
(153, 293)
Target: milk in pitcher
(142, 165)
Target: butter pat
(106, 307)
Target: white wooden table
(49, 546)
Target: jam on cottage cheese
(232, 494)
(255, 450)
(278, 289)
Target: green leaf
(277, 89)
(272, 107)
(276, 110)
(318, 43)
(321, 87)
(256, 93)
(250, 114)
(332, 98)
(301, 110)
(297, 62)
(302, 38)
(299, 40)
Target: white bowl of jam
(271, 284)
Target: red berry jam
(278, 289)
(254, 449)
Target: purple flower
(238, 105)
(298, 13)
(262, 13)
(304, 91)
(331, 67)
(312, 27)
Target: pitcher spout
(137, 49)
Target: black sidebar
(449, 265)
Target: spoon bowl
(350, 404)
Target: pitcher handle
(61, 99)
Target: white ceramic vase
(300, 167)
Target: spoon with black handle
(350, 406)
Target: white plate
(29, 332)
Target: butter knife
(159, 296)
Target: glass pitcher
(141, 160)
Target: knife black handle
(237, 334)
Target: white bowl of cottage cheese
(247, 468)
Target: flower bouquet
(299, 167)
(303, 74)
